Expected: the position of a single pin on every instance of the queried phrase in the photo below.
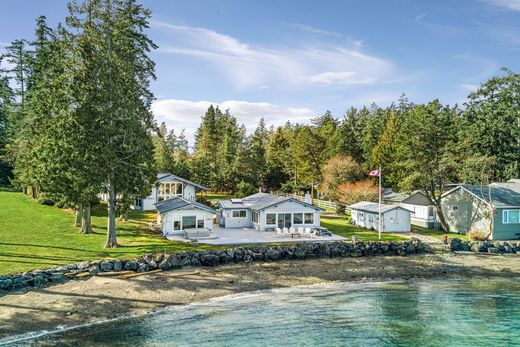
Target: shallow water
(423, 313)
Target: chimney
(308, 198)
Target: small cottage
(178, 215)
(423, 211)
(394, 218)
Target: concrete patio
(237, 236)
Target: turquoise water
(425, 313)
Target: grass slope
(36, 236)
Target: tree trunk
(86, 221)
(111, 227)
(79, 215)
(442, 220)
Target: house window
(189, 222)
(239, 213)
(177, 225)
(255, 217)
(200, 223)
(270, 219)
(511, 216)
(298, 218)
(178, 188)
(309, 218)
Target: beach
(100, 298)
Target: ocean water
(416, 313)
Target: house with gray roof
(264, 211)
(423, 210)
(166, 187)
(493, 209)
(395, 218)
(179, 215)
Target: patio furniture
(292, 229)
(279, 232)
(285, 231)
(296, 235)
(301, 230)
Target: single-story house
(168, 186)
(264, 211)
(423, 211)
(177, 215)
(493, 208)
(395, 218)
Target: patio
(237, 236)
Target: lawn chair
(279, 232)
(309, 233)
(285, 231)
(301, 230)
(292, 230)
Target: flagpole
(380, 196)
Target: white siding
(188, 192)
(229, 221)
(167, 219)
(396, 220)
(291, 207)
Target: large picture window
(309, 218)
(511, 217)
(239, 213)
(270, 219)
(298, 218)
(189, 222)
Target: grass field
(436, 233)
(36, 236)
(341, 226)
(215, 197)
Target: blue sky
(293, 60)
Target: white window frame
(275, 218)
(239, 214)
(305, 217)
(505, 217)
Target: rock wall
(302, 250)
(458, 245)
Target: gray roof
(165, 177)
(390, 196)
(373, 207)
(505, 194)
(260, 201)
(178, 203)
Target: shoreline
(100, 298)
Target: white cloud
(506, 4)
(186, 114)
(247, 66)
(469, 87)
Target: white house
(395, 218)
(168, 186)
(177, 215)
(266, 212)
(423, 211)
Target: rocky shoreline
(497, 247)
(209, 258)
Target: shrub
(340, 209)
(350, 193)
(476, 235)
(245, 189)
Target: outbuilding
(394, 218)
(178, 215)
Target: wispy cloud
(252, 66)
(313, 30)
(186, 114)
(436, 27)
(513, 5)
(508, 35)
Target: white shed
(178, 215)
(395, 218)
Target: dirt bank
(97, 298)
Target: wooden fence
(320, 203)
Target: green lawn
(436, 233)
(342, 227)
(216, 197)
(36, 236)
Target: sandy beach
(98, 298)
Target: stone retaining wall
(303, 250)
(501, 247)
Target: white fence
(320, 203)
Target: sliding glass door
(284, 220)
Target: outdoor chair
(300, 230)
(285, 230)
(292, 230)
(279, 232)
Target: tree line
(76, 121)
